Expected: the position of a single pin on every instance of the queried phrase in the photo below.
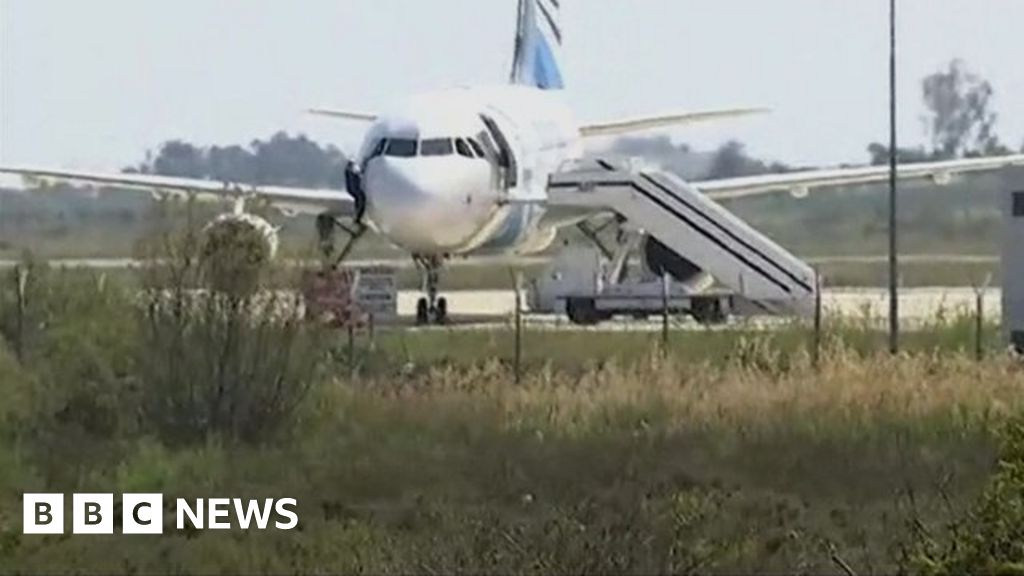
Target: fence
(525, 343)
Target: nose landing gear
(431, 309)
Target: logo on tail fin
(538, 59)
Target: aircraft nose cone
(425, 207)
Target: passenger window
(437, 147)
(463, 149)
(401, 148)
(477, 148)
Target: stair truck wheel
(583, 312)
(708, 311)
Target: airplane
(465, 171)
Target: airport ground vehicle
(577, 283)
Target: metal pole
(894, 304)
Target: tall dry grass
(759, 389)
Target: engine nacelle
(243, 231)
(235, 251)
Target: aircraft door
(504, 156)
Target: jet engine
(254, 236)
(235, 250)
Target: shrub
(220, 353)
(989, 538)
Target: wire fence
(972, 330)
(524, 341)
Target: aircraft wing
(799, 184)
(620, 127)
(289, 200)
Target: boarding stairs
(680, 216)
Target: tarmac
(917, 305)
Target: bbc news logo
(144, 514)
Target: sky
(94, 84)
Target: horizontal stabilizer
(620, 127)
(344, 114)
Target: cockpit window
(463, 148)
(477, 148)
(401, 148)
(437, 147)
(378, 150)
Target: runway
(486, 307)
(128, 263)
(916, 304)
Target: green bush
(220, 353)
(989, 537)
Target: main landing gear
(431, 309)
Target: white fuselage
(465, 170)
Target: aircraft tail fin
(539, 53)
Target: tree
(731, 160)
(660, 150)
(880, 155)
(960, 120)
(231, 164)
(298, 161)
(180, 159)
(282, 160)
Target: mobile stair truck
(698, 258)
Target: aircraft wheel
(422, 312)
(581, 311)
(441, 313)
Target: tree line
(282, 160)
(959, 119)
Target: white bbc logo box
(144, 513)
(93, 514)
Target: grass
(659, 466)
(951, 332)
(493, 277)
(731, 452)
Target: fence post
(664, 313)
(818, 285)
(979, 326)
(979, 319)
(20, 287)
(352, 349)
(519, 330)
(372, 327)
